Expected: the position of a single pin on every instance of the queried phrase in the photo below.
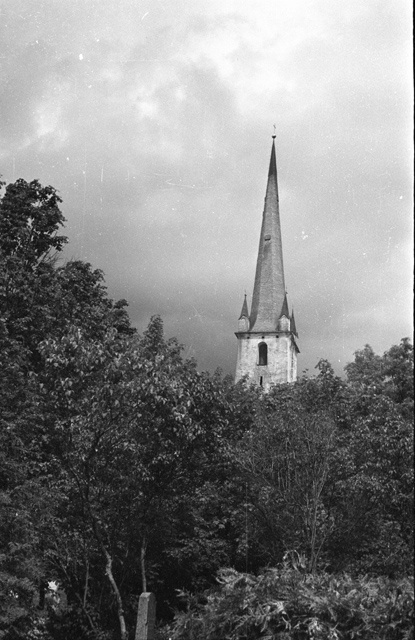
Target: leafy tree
(80, 299)
(29, 222)
(372, 501)
(356, 436)
(21, 495)
(285, 461)
(122, 467)
(131, 430)
(391, 374)
(38, 299)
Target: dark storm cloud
(154, 119)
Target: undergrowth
(288, 604)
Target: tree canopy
(123, 468)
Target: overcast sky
(153, 119)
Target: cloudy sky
(153, 119)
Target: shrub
(286, 603)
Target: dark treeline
(123, 469)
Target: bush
(286, 603)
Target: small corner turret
(293, 327)
(267, 351)
(243, 321)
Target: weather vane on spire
(275, 128)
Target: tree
(373, 498)
(286, 462)
(328, 466)
(391, 374)
(29, 221)
(38, 301)
(21, 494)
(131, 430)
(37, 298)
(80, 299)
(122, 467)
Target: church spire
(267, 351)
(269, 288)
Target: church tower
(267, 350)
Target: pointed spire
(293, 327)
(272, 171)
(243, 321)
(269, 287)
(284, 310)
(244, 312)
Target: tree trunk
(143, 564)
(108, 571)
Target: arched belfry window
(262, 353)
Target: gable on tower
(267, 351)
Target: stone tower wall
(281, 359)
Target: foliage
(37, 300)
(328, 468)
(123, 468)
(391, 374)
(131, 430)
(29, 221)
(285, 462)
(20, 558)
(285, 603)
(373, 499)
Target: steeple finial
(275, 129)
